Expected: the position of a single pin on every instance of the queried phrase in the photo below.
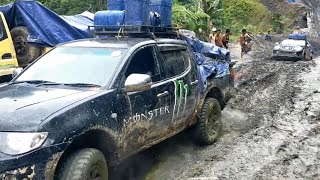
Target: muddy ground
(271, 129)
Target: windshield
(69, 65)
(292, 42)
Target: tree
(197, 15)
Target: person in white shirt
(212, 36)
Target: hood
(292, 42)
(24, 107)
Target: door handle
(194, 83)
(163, 94)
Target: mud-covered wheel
(85, 164)
(209, 126)
(304, 56)
(26, 52)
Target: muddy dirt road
(271, 131)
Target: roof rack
(300, 36)
(134, 31)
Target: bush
(249, 14)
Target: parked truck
(15, 51)
(24, 35)
(8, 57)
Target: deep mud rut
(271, 131)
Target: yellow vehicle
(8, 57)
(15, 51)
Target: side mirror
(138, 82)
(16, 72)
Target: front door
(8, 60)
(150, 111)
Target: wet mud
(271, 130)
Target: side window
(173, 63)
(3, 34)
(188, 57)
(144, 62)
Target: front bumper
(286, 54)
(39, 164)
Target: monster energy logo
(181, 91)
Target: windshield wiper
(30, 82)
(49, 83)
(82, 85)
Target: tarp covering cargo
(297, 36)
(212, 60)
(46, 27)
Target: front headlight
(14, 143)
(298, 48)
(277, 47)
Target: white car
(296, 47)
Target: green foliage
(188, 19)
(248, 14)
(4, 2)
(233, 14)
(197, 15)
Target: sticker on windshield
(116, 53)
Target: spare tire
(26, 52)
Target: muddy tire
(209, 126)
(26, 52)
(304, 56)
(84, 164)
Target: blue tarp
(207, 49)
(46, 28)
(212, 60)
(297, 36)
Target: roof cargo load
(115, 5)
(137, 12)
(297, 36)
(109, 18)
(144, 12)
(164, 7)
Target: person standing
(245, 42)
(267, 37)
(225, 38)
(297, 30)
(218, 39)
(212, 36)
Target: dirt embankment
(288, 9)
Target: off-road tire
(304, 56)
(26, 52)
(209, 126)
(82, 164)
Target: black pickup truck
(89, 104)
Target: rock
(311, 114)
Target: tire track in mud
(278, 142)
(260, 128)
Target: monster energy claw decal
(181, 91)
